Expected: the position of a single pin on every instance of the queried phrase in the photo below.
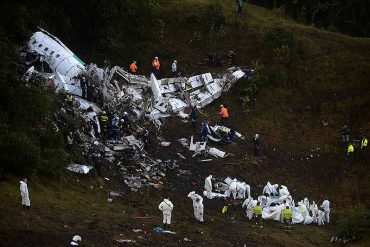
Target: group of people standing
(156, 68)
(166, 206)
(356, 149)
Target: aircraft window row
(46, 48)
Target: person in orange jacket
(133, 68)
(156, 66)
(224, 114)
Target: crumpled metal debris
(84, 169)
(201, 148)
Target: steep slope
(304, 78)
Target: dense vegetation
(101, 29)
(351, 16)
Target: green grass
(288, 115)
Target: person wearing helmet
(155, 67)
(104, 121)
(256, 145)
(115, 127)
(224, 114)
(133, 68)
(174, 68)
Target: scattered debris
(84, 169)
(217, 153)
(165, 144)
(142, 217)
(181, 156)
(125, 241)
(184, 172)
(115, 193)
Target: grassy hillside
(304, 77)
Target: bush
(355, 224)
(280, 46)
(278, 37)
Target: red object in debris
(193, 183)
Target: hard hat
(117, 118)
(104, 112)
(125, 113)
(175, 61)
(134, 61)
(76, 238)
(221, 105)
(256, 135)
(155, 57)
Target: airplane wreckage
(121, 93)
(149, 96)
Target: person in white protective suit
(287, 200)
(24, 193)
(263, 200)
(197, 205)
(320, 217)
(314, 209)
(326, 206)
(283, 191)
(305, 213)
(241, 189)
(306, 202)
(208, 186)
(270, 189)
(166, 207)
(249, 204)
(232, 188)
(273, 212)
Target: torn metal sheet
(165, 144)
(225, 130)
(133, 141)
(84, 169)
(181, 156)
(217, 153)
(197, 146)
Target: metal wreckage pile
(137, 101)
